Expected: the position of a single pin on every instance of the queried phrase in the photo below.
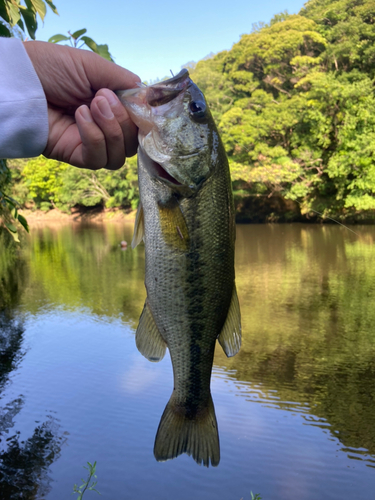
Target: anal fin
(139, 227)
(147, 338)
(230, 335)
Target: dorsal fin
(147, 338)
(230, 335)
(139, 227)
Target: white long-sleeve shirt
(23, 105)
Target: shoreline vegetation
(92, 215)
(293, 101)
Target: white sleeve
(23, 105)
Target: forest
(293, 101)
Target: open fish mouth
(166, 91)
(158, 171)
(155, 169)
(159, 93)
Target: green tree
(47, 184)
(44, 181)
(267, 138)
(18, 19)
(294, 103)
(110, 189)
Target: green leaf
(4, 30)
(104, 52)
(13, 13)
(23, 222)
(90, 43)
(29, 16)
(52, 6)
(10, 201)
(79, 33)
(15, 237)
(3, 12)
(11, 227)
(21, 25)
(40, 7)
(58, 38)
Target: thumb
(106, 74)
(71, 77)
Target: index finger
(128, 127)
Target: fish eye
(197, 109)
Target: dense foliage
(20, 19)
(40, 183)
(294, 102)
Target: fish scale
(186, 219)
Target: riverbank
(247, 213)
(92, 215)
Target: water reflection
(24, 463)
(11, 331)
(73, 301)
(81, 266)
(308, 314)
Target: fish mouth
(184, 73)
(158, 171)
(155, 169)
(166, 91)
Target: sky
(152, 37)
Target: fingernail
(110, 96)
(104, 107)
(85, 113)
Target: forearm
(23, 105)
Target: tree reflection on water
(308, 320)
(24, 463)
(307, 298)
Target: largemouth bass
(186, 219)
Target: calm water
(295, 408)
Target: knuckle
(115, 135)
(97, 141)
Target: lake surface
(295, 408)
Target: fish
(186, 220)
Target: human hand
(88, 126)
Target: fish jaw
(141, 102)
(169, 132)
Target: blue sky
(152, 37)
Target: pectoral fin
(148, 339)
(173, 226)
(230, 336)
(139, 227)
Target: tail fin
(196, 436)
